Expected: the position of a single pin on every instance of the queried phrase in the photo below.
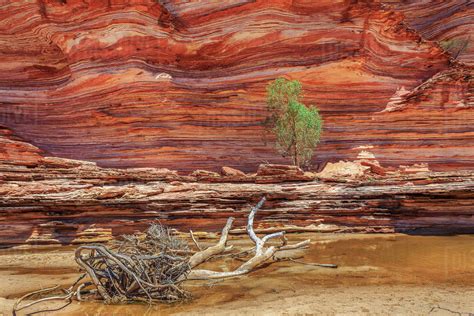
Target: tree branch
(261, 255)
(220, 247)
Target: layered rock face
(442, 21)
(68, 201)
(181, 84)
(178, 84)
(14, 150)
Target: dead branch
(220, 247)
(437, 307)
(195, 241)
(151, 267)
(323, 265)
(142, 269)
(262, 253)
(66, 297)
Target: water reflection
(363, 261)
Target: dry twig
(151, 267)
(261, 253)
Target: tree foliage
(297, 128)
(454, 46)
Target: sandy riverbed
(377, 275)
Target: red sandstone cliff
(182, 84)
(68, 201)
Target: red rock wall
(62, 201)
(441, 20)
(182, 84)
(13, 150)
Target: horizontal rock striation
(14, 150)
(134, 88)
(448, 100)
(181, 85)
(69, 201)
(442, 21)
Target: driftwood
(152, 267)
(140, 269)
(66, 295)
(261, 253)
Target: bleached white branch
(201, 256)
(262, 254)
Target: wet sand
(377, 275)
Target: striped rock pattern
(181, 84)
(69, 201)
(442, 21)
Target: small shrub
(297, 128)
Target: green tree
(455, 46)
(297, 128)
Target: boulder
(231, 172)
(342, 170)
